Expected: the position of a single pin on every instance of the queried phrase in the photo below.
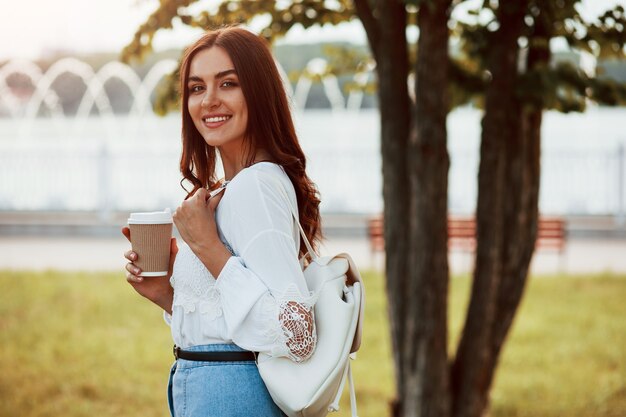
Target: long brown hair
(270, 126)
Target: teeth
(216, 119)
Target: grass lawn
(84, 344)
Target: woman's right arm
(156, 289)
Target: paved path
(105, 253)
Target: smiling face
(216, 103)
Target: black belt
(236, 356)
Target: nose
(210, 98)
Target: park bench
(551, 234)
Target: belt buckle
(175, 350)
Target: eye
(195, 88)
(229, 84)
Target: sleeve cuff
(228, 269)
(235, 279)
(167, 318)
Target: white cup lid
(154, 217)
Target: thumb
(173, 252)
(173, 246)
(201, 194)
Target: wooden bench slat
(551, 233)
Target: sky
(35, 28)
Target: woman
(236, 286)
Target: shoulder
(259, 199)
(259, 181)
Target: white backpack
(313, 388)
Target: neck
(233, 164)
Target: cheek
(244, 119)
(244, 109)
(191, 105)
(241, 103)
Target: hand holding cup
(152, 256)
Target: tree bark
(396, 125)
(415, 195)
(501, 167)
(425, 390)
(522, 212)
(385, 27)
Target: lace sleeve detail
(291, 319)
(298, 324)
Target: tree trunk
(425, 391)
(415, 169)
(396, 124)
(415, 179)
(500, 220)
(522, 210)
(386, 34)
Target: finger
(202, 195)
(173, 252)
(197, 195)
(215, 200)
(130, 255)
(216, 192)
(133, 278)
(173, 246)
(126, 232)
(133, 269)
(176, 218)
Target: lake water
(128, 163)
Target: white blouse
(260, 300)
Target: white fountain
(99, 161)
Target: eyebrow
(220, 74)
(225, 73)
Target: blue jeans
(218, 389)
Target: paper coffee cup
(150, 236)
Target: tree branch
(161, 18)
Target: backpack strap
(352, 390)
(296, 217)
(335, 404)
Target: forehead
(208, 62)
